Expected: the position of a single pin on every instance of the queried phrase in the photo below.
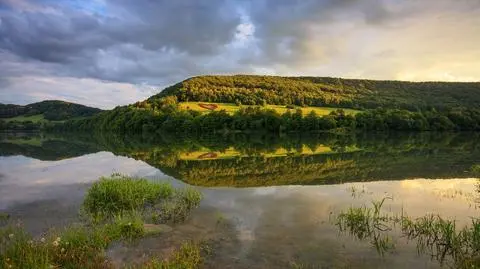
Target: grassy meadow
(34, 118)
(281, 109)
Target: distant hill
(52, 110)
(325, 91)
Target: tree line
(168, 117)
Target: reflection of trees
(364, 157)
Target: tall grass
(120, 193)
(441, 238)
(156, 201)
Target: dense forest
(169, 118)
(52, 110)
(324, 91)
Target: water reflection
(272, 223)
(241, 161)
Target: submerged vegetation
(117, 209)
(189, 256)
(441, 238)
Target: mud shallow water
(258, 227)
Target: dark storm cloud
(116, 43)
(123, 31)
(62, 33)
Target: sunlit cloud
(87, 49)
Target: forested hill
(51, 110)
(324, 91)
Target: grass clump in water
(119, 193)
(155, 201)
(178, 207)
(189, 256)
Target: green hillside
(324, 91)
(211, 104)
(51, 110)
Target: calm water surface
(269, 203)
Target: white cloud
(85, 91)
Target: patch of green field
(34, 118)
(232, 108)
(207, 154)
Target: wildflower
(58, 239)
(8, 259)
(55, 243)
(42, 240)
(62, 250)
(11, 236)
(30, 242)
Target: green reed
(439, 237)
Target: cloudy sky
(111, 52)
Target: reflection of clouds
(293, 220)
(28, 180)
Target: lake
(269, 202)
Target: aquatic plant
(441, 238)
(178, 207)
(190, 255)
(121, 193)
(155, 201)
(368, 223)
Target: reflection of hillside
(264, 161)
(231, 153)
(44, 148)
(302, 162)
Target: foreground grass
(116, 208)
(82, 247)
(439, 237)
(281, 109)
